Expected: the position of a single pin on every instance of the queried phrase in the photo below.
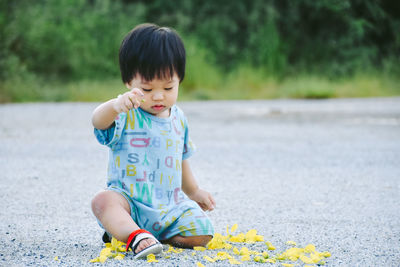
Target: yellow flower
(199, 264)
(119, 256)
(291, 243)
(244, 251)
(293, 253)
(236, 251)
(270, 246)
(259, 259)
(325, 254)
(238, 238)
(315, 257)
(245, 258)
(199, 248)
(95, 260)
(102, 258)
(106, 252)
(207, 258)
(306, 259)
(265, 255)
(234, 227)
(309, 248)
(234, 261)
(151, 258)
(281, 257)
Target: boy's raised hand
(204, 199)
(128, 100)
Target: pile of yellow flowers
(112, 250)
(228, 251)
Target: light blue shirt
(145, 166)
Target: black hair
(152, 52)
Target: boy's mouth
(158, 107)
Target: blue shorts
(185, 218)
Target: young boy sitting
(151, 193)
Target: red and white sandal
(134, 240)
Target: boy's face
(159, 95)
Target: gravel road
(325, 172)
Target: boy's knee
(99, 203)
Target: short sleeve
(111, 136)
(189, 148)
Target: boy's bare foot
(145, 243)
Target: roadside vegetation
(67, 50)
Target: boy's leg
(188, 241)
(113, 211)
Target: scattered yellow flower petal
(287, 264)
(259, 259)
(207, 258)
(234, 261)
(199, 248)
(234, 227)
(106, 252)
(281, 257)
(199, 264)
(194, 254)
(306, 259)
(119, 256)
(56, 258)
(265, 255)
(291, 243)
(315, 258)
(325, 254)
(309, 248)
(245, 258)
(269, 246)
(151, 258)
(244, 251)
(238, 238)
(236, 251)
(102, 258)
(270, 260)
(95, 260)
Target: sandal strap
(132, 238)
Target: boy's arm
(105, 114)
(193, 191)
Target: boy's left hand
(204, 199)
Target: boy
(149, 146)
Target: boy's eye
(168, 88)
(146, 90)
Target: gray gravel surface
(323, 172)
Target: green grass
(210, 84)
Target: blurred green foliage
(247, 45)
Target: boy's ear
(128, 85)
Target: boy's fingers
(212, 201)
(128, 103)
(137, 91)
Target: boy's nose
(158, 96)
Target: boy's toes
(144, 244)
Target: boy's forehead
(166, 79)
